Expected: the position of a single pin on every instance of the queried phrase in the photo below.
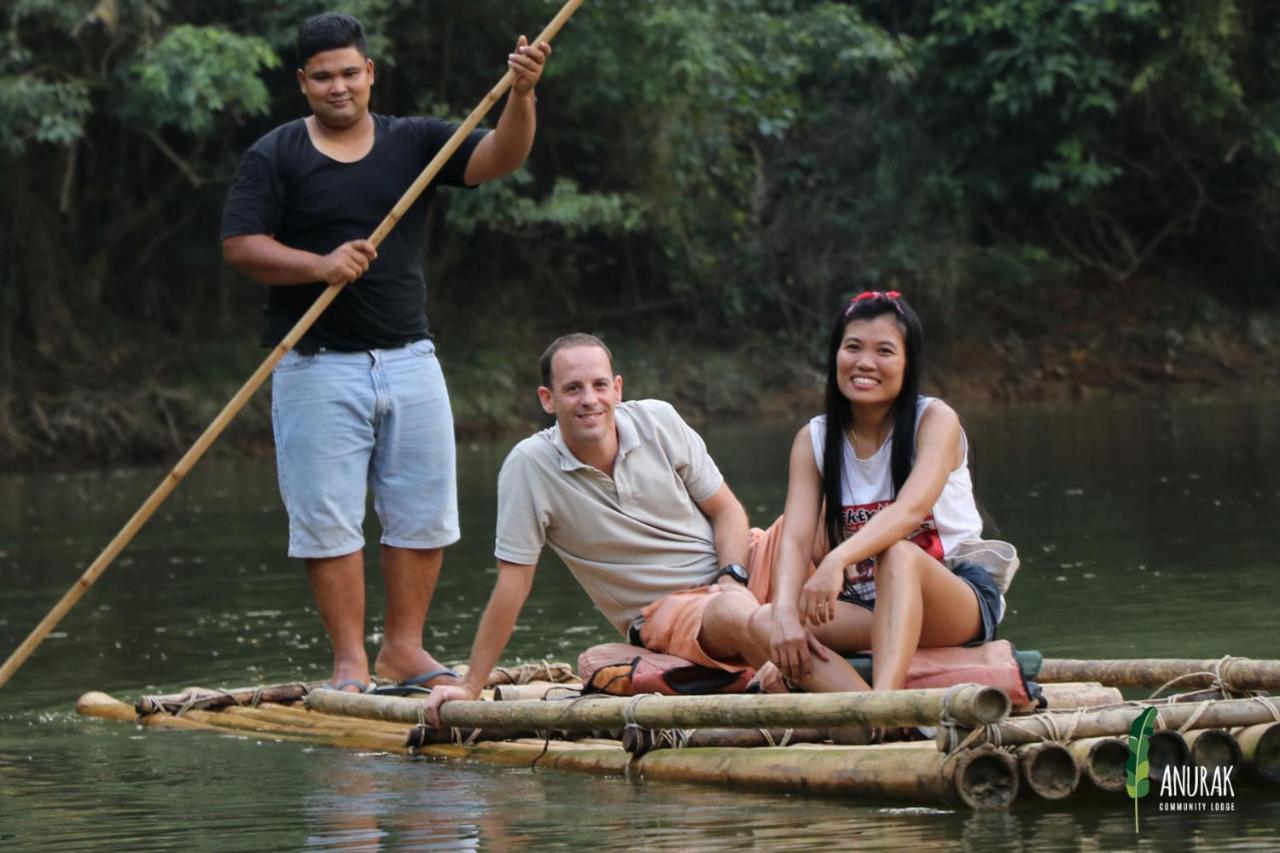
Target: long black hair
(865, 306)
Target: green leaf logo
(1137, 768)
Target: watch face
(737, 572)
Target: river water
(1147, 530)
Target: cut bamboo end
(1260, 751)
(1102, 761)
(98, 704)
(1049, 770)
(1166, 749)
(1214, 748)
(985, 778)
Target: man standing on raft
(360, 401)
(628, 496)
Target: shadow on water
(1145, 531)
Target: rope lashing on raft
(947, 721)
(1220, 676)
(786, 737)
(148, 705)
(527, 672)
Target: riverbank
(1091, 342)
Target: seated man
(628, 496)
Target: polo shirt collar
(628, 440)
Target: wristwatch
(734, 570)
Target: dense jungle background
(1082, 197)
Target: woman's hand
(792, 647)
(789, 645)
(818, 597)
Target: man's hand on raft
(527, 62)
(346, 263)
(442, 694)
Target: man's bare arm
(729, 522)
(505, 149)
(265, 259)
(496, 624)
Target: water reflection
(1145, 531)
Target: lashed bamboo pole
(247, 721)
(594, 713)
(1214, 748)
(1080, 694)
(205, 699)
(1260, 751)
(980, 778)
(1238, 673)
(251, 385)
(1049, 770)
(1113, 721)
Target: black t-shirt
(309, 201)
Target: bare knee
(899, 562)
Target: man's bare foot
(350, 673)
(416, 668)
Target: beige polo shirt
(628, 539)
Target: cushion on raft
(621, 669)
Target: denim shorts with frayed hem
(350, 423)
(991, 603)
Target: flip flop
(417, 684)
(348, 682)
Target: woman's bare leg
(920, 603)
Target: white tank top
(867, 488)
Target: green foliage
(722, 169)
(193, 76)
(34, 110)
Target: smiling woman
(881, 498)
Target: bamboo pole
(205, 699)
(1080, 694)
(1049, 770)
(1214, 748)
(594, 713)
(1111, 722)
(1236, 673)
(982, 778)
(1102, 761)
(1260, 750)
(237, 402)
(255, 721)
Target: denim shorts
(347, 423)
(991, 604)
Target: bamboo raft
(985, 754)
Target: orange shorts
(672, 623)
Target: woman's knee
(900, 561)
